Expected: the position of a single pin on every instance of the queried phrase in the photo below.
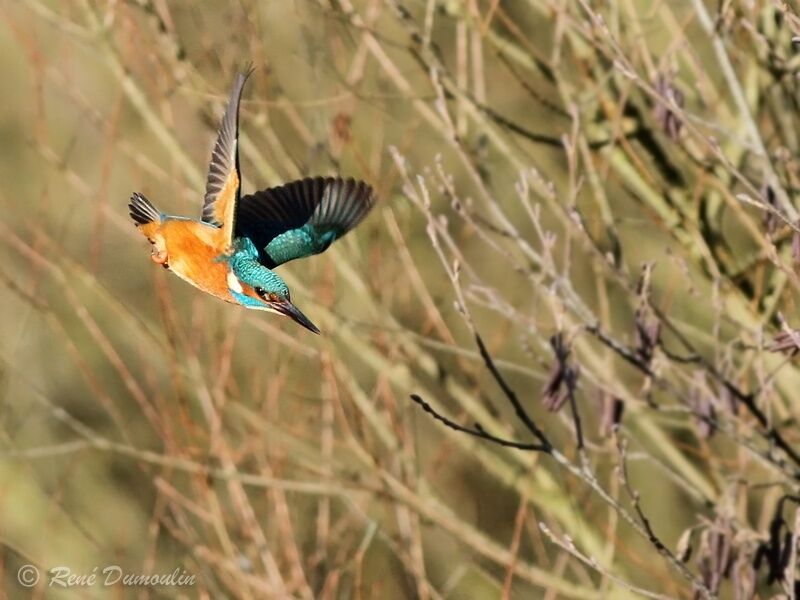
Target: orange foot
(159, 253)
(159, 256)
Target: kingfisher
(232, 250)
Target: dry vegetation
(545, 368)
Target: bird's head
(255, 286)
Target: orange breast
(192, 254)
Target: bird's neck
(244, 263)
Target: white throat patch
(233, 283)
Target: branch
(478, 431)
(511, 395)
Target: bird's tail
(142, 210)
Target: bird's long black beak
(290, 310)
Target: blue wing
(303, 217)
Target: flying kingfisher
(232, 250)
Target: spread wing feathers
(303, 217)
(222, 187)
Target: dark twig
(629, 355)
(520, 411)
(777, 550)
(562, 383)
(576, 418)
(478, 431)
(660, 547)
(769, 432)
(748, 400)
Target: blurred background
(584, 245)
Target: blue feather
(303, 217)
(247, 269)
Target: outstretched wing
(303, 217)
(222, 187)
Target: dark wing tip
(241, 78)
(246, 70)
(142, 211)
(224, 155)
(345, 202)
(332, 206)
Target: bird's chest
(196, 261)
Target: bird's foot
(159, 256)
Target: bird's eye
(260, 291)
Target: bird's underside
(231, 251)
